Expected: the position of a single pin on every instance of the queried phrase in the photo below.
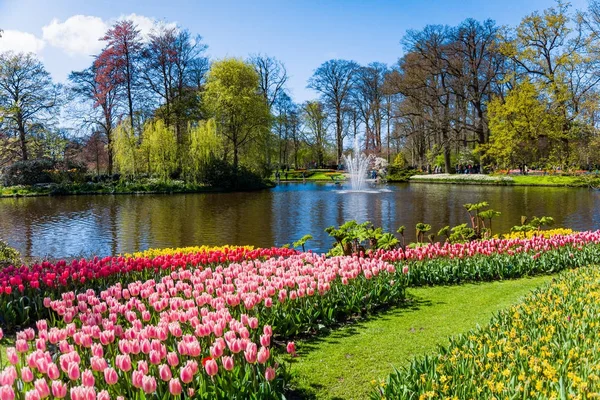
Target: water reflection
(85, 225)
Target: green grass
(548, 180)
(343, 364)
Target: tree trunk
(339, 139)
(22, 137)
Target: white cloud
(18, 41)
(78, 35)
(146, 24)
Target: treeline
(155, 105)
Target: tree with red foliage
(117, 64)
(99, 84)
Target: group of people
(459, 168)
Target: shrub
(28, 172)
(8, 255)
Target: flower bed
(495, 259)
(146, 339)
(23, 288)
(544, 347)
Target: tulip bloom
(175, 387)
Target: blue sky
(301, 33)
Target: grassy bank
(314, 175)
(512, 180)
(119, 187)
(343, 364)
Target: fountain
(357, 165)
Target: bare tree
(173, 67)
(28, 96)
(272, 77)
(334, 80)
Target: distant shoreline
(509, 180)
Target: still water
(104, 225)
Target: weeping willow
(160, 148)
(204, 146)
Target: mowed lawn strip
(343, 364)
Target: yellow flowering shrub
(546, 347)
(152, 253)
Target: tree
(315, 122)
(272, 77)
(518, 125)
(544, 51)
(97, 86)
(204, 147)
(334, 80)
(161, 147)
(126, 149)
(118, 63)
(232, 97)
(28, 97)
(368, 98)
(171, 60)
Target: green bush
(8, 255)
(28, 172)
(39, 171)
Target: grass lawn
(343, 364)
(548, 180)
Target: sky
(301, 33)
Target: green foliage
(232, 98)
(204, 147)
(302, 241)
(516, 124)
(422, 229)
(28, 172)
(353, 238)
(126, 149)
(160, 145)
(8, 255)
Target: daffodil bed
(545, 347)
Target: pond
(74, 226)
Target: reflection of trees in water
(81, 225)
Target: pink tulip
(73, 371)
(269, 374)
(251, 352)
(148, 384)
(164, 372)
(211, 367)
(87, 378)
(32, 395)
(291, 348)
(7, 393)
(103, 395)
(227, 363)
(172, 359)
(175, 387)
(186, 374)
(59, 389)
(12, 355)
(110, 376)
(42, 387)
(53, 371)
(123, 362)
(137, 378)
(26, 374)
(263, 355)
